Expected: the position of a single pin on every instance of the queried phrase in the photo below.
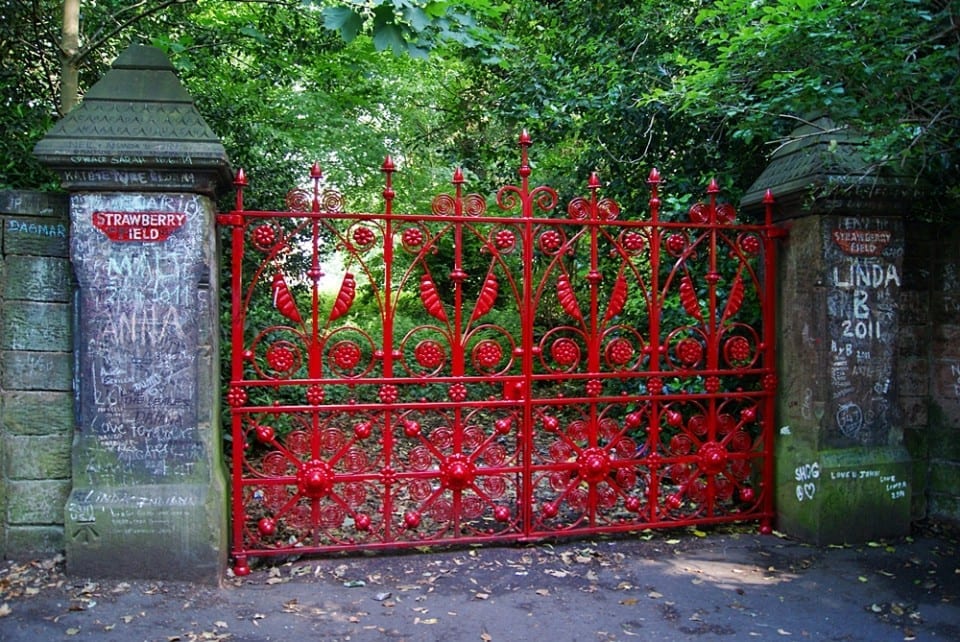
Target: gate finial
(316, 174)
(525, 143)
(653, 180)
(388, 168)
(240, 182)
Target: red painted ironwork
(475, 375)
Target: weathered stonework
(36, 377)
(942, 442)
(843, 472)
(142, 166)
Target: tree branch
(103, 34)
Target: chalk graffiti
(58, 230)
(863, 267)
(895, 488)
(806, 408)
(806, 476)
(850, 419)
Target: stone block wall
(36, 371)
(930, 367)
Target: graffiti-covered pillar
(141, 165)
(842, 472)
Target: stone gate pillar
(141, 165)
(842, 471)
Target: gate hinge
(229, 219)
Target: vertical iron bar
(653, 312)
(713, 337)
(593, 349)
(527, 314)
(769, 314)
(313, 349)
(387, 346)
(237, 234)
(457, 335)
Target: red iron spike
(713, 188)
(240, 182)
(316, 174)
(524, 161)
(768, 202)
(653, 180)
(388, 193)
(458, 177)
(594, 182)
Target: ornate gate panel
(495, 372)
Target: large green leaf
(344, 20)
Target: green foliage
(278, 85)
(698, 89)
(412, 27)
(575, 79)
(26, 113)
(759, 69)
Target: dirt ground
(724, 584)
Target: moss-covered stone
(26, 542)
(31, 325)
(37, 278)
(944, 476)
(32, 370)
(37, 457)
(844, 495)
(943, 506)
(37, 413)
(36, 503)
(115, 532)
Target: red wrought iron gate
(495, 374)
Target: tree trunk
(69, 49)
